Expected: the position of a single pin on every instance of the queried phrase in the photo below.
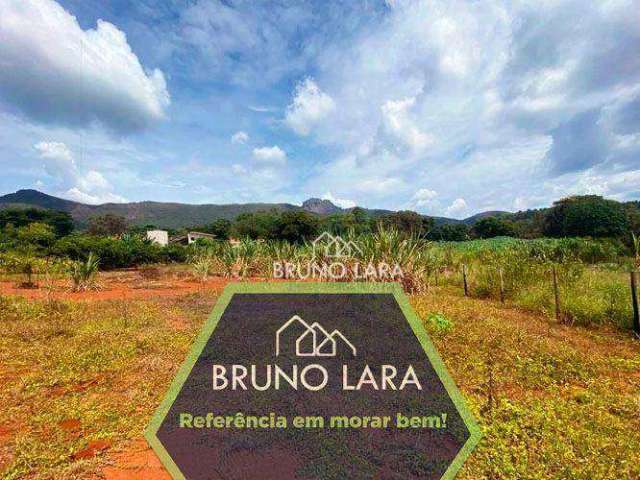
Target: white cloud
(55, 151)
(457, 208)
(270, 155)
(379, 185)
(443, 89)
(238, 169)
(397, 119)
(261, 109)
(87, 187)
(424, 198)
(59, 163)
(309, 107)
(54, 71)
(240, 137)
(93, 181)
(340, 202)
(78, 195)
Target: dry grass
(80, 381)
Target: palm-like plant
(83, 274)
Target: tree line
(577, 216)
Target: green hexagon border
(325, 288)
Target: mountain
(34, 198)
(321, 207)
(161, 214)
(478, 216)
(178, 215)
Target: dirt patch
(6, 433)
(93, 448)
(137, 462)
(114, 290)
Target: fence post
(464, 280)
(556, 293)
(501, 285)
(634, 302)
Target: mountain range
(178, 215)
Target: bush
(83, 274)
(117, 253)
(439, 324)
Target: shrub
(83, 274)
(439, 324)
(118, 253)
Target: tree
(61, 222)
(586, 216)
(36, 234)
(221, 228)
(342, 223)
(256, 225)
(408, 222)
(449, 232)
(295, 227)
(108, 225)
(490, 227)
(632, 213)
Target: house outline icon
(334, 246)
(318, 345)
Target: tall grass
(593, 287)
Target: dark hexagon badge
(313, 381)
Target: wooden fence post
(556, 293)
(501, 285)
(464, 280)
(634, 302)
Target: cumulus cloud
(79, 196)
(424, 198)
(86, 187)
(339, 202)
(310, 106)
(397, 119)
(54, 71)
(457, 208)
(505, 97)
(240, 137)
(270, 155)
(59, 162)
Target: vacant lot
(82, 373)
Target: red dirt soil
(117, 290)
(138, 462)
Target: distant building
(191, 237)
(161, 237)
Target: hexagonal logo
(313, 381)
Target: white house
(161, 237)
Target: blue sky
(444, 107)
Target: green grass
(105, 365)
(554, 401)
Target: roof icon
(315, 340)
(335, 246)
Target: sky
(444, 107)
